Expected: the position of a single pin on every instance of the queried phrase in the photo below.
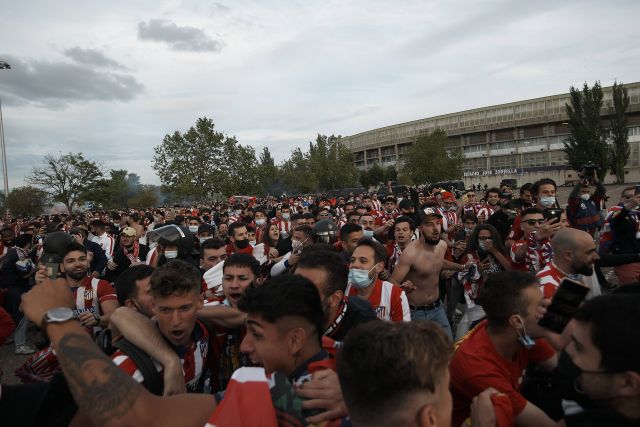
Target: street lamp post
(4, 66)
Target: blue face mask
(524, 338)
(360, 278)
(367, 233)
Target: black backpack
(152, 379)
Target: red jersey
(193, 359)
(484, 213)
(284, 227)
(477, 365)
(388, 301)
(88, 297)
(537, 256)
(384, 216)
(516, 232)
(550, 277)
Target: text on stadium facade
(493, 172)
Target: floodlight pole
(4, 66)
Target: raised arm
(141, 331)
(104, 392)
(227, 317)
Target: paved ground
(10, 361)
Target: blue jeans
(437, 315)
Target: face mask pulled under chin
(523, 338)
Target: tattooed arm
(105, 393)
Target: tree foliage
(146, 196)
(203, 161)
(296, 173)
(267, 172)
(619, 150)
(66, 177)
(390, 174)
(428, 160)
(190, 162)
(27, 200)
(331, 163)
(587, 142)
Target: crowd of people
(336, 311)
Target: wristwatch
(57, 315)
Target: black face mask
(568, 375)
(242, 244)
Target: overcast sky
(110, 79)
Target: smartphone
(637, 189)
(552, 213)
(565, 303)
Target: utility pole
(4, 66)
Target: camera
(590, 169)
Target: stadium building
(519, 140)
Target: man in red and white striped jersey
(388, 300)
(284, 223)
(175, 290)
(534, 251)
(574, 253)
(95, 300)
(492, 198)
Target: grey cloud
(178, 38)
(91, 57)
(55, 84)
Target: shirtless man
(419, 269)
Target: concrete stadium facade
(518, 140)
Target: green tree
(390, 174)
(619, 150)
(146, 196)
(241, 170)
(364, 179)
(267, 171)
(27, 201)
(376, 174)
(428, 160)
(193, 163)
(295, 173)
(112, 192)
(66, 177)
(331, 163)
(587, 142)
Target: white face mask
(193, 228)
(285, 216)
(260, 222)
(252, 242)
(204, 239)
(170, 254)
(585, 197)
(547, 201)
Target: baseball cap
(128, 231)
(446, 195)
(431, 212)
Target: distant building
(519, 140)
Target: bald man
(574, 253)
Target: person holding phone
(583, 210)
